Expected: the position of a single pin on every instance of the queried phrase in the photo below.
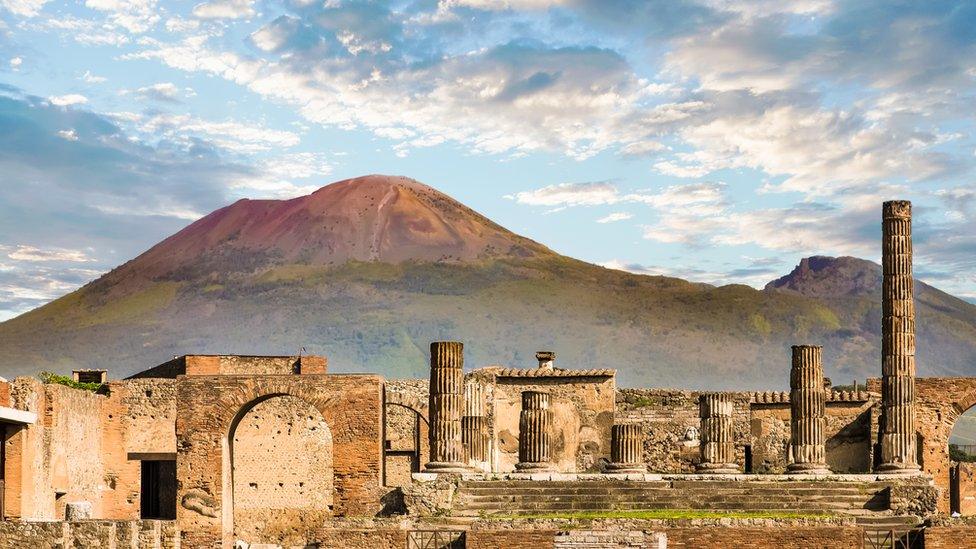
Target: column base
(625, 468)
(718, 468)
(534, 467)
(446, 467)
(808, 469)
(899, 469)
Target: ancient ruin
(275, 451)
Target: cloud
(163, 92)
(224, 9)
(68, 100)
(135, 16)
(31, 253)
(70, 135)
(232, 135)
(569, 194)
(15, 63)
(616, 216)
(92, 79)
(23, 8)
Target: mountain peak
(827, 277)
(383, 218)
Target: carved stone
(898, 443)
(475, 437)
(535, 426)
(716, 444)
(445, 407)
(626, 449)
(808, 416)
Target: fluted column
(535, 425)
(717, 446)
(898, 443)
(808, 416)
(445, 406)
(626, 449)
(474, 425)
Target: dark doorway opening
(748, 459)
(158, 500)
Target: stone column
(474, 425)
(808, 416)
(626, 449)
(535, 425)
(898, 444)
(717, 446)
(445, 406)
(546, 359)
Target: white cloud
(569, 194)
(616, 216)
(224, 9)
(135, 16)
(31, 253)
(235, 136)
(68, 100)
(24, 8)
(166, 92)
(69, 135)
(15, 63)
(92, 79)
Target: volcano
(368, 271)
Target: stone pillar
(626, 449)
(445, 406)
(474, 425)
(898, 443)
(535, 425)
(717, 446)
(546, 359)
(808, 416)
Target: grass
(665, 514)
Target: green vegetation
(48, 377)
(958, 454)
(666, 514)
(132, 308)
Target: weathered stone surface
(446, 404)
(808, 418)
(717, 446)
(627, 449)
(535, 433)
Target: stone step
(802, 492)
(714, 498)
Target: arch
(406, 446)
(210, 408)
(283, 503)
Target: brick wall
(129, 534)
(944, 537)
(510, 539)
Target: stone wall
(950, 537)
(407, 442)
(149, 534)
(966, 485)
(671, 424)
(582, 407)
(282, 471)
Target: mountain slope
(369, 270)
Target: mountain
(369, 270)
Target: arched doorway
(281, 470)
(406, 445)
(962, 464)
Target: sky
(713, 140)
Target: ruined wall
(406, 427)
(967, 488)
(582, 408)
(671, 426)
(282, 471)
(207, 407)
(938, 404)
(850, 425)
(149, 534)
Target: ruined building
(225, 451)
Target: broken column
(626, 449)
(474, 426)
(535, 424)
(546, 359)
(808, 416)
(898, 443)
(446, 402)
(717, 446)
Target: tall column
(474, 425)
(808, 416)
(535, 425)
(898, 444)
(627, 449)
(717, 446)
(445, 406)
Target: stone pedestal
(77, 510)
(898, 442)
(808, 416)
(475, 437)
(626, 449)
(445, 407)
(716, 443)
(535, 426)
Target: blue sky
(713, 140)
